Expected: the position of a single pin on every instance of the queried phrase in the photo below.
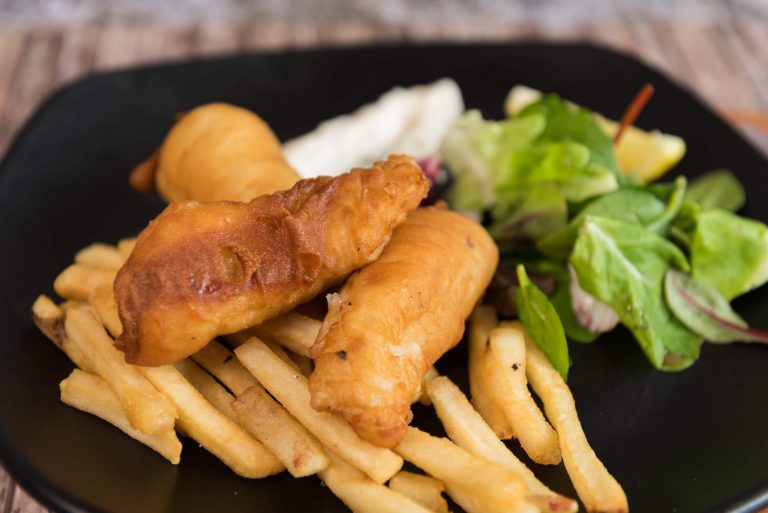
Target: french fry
(467, 429)
(471, 502)
(482, 322)
(212, 429)
(597, 488)
(241, 337)
(362, 495)
(424, 490)
(146, 408)
(78, 281)
(91, 394)
(295, 331)
(49, 319)
(510, 391)
(493, 487)
(293, 445)
(221, 362)
(291, 389)
(208, 387)
(102, 256)
(125, 247)
(102, 299)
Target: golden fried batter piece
(216, 152)
(394, 318)
(201, 270)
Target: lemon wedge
(641, 153)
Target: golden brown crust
(202, 270)
(393, 319)
(216, 152)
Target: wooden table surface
(721, 54)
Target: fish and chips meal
(292, 302)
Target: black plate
(687, 442)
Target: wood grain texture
(721, 52)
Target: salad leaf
(472, 149)
(631, 205)
(591, 313)
(564, 163)
(729, 252)
(704, 310)
(540, 319)
(623, 264)
(538, 212)
(717, 189)
(567, 122)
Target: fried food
(597, 488)
(466, 428)
(483, 321)
(492, 486)
(424, 490)
(289, 387)
(222, 437)
(202, 270)
(91, 394)
(147, 409)
(392, 320)
(216, 152)
(506, 372)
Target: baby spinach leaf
(717, 189)
(623, 264)
(705, 311)
(631, 205)
(729, 252)
(540, 319)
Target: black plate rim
(57, 499)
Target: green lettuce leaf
(561, 301)
(729, 252)
(717, 189)
(623, 265)
(542, 322)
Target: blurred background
(719, 49)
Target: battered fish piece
(392, 320)
(200, 270)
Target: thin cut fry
(221, 362)
(49, 319)
(213, 392)
(100, 255)
(125, 246)
(507, 374)
(362, 495)
(211, 428)
(424, 490)
(293, 445)
(295, 331)
(146, 408)
(291, 389)
(467, 429)
(102, 299)
(304, 364)
(78, 281)
(472, 503)
(91, 394)
(494, 487)
(483, 321)
(597, 489)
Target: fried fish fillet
(204, 269)
(394, 318)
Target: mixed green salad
(586, 246)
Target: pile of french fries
(245, 399)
